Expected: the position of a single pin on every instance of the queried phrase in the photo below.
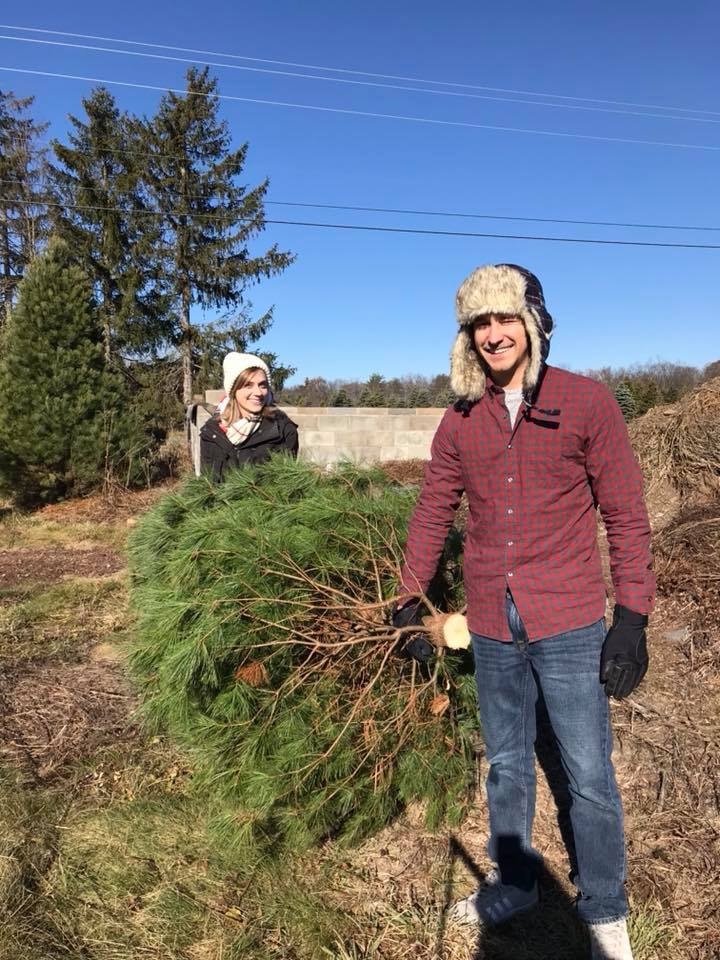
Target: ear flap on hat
(467, 377)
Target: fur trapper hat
(236, 363)
(498, 288)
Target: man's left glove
(416, 646)
(624, 659)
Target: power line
(381, 229)
(456, 215)
(360, 73)
(365, 113)
(361, 83)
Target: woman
(246, 427)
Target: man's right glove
(416, 646)
(624, 659)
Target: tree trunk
(186, 345)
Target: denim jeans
(566, 670)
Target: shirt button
(510, 574)
(510, 479)
(509, 446)
(510, 510)
(510, 543)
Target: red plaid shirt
(532, 494)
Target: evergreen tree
(23, 213)
(66, 422)
(373, 393)
(419, 398)
(207, 218)
(626, 401)
(341, 399)
(102, 216)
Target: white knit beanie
(235, 363)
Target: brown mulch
(109, 507)
(25, 565)
(56, 713)
(404, 472)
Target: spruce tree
(102, 216)
(23, 213)
(341, 399)
(66, 422)
(207, 219)
(626, 401)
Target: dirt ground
(55, 713)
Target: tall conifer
(101, 214)
(23, 214)
(207, 219)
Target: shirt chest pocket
(554, 455)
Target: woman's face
(253, 395)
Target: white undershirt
(513, 399)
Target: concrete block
(318, 438)
(305, 422)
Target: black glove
(624, 658)
(415, 646)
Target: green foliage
(66, 423)
(626, 401)
(205, 220)
(262, 645)
(341, 399)
(101, 214)
(22, 211)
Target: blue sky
(356, 302)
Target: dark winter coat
(275, 434)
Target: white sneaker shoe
(493, 903)
(610, 941)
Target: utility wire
(364, 113)
(360, 83)
(453, 214)
(359, 73)
(376, 229)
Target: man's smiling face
(502, 343)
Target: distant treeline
(636, 388)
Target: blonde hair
(232, 411)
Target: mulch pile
(25, 565)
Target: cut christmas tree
(263, 646)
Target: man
(536, 450)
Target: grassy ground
(107, 852)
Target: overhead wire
(363, 73)
(452, 214)
(385, 229)
(361, 83)
(465, 124)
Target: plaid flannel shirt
(532, 494)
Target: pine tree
(23, 213)
(373, 393)
(626, 401)
(271, 657)
(102, 216)
(66, 422)
(207, 219)
(341, 399)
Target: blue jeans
(566, 670)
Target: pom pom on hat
(236, 363)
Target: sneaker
(610, 941)
(494, 902)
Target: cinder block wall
(361, 434)
(365, 434)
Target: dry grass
(106, 853)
